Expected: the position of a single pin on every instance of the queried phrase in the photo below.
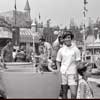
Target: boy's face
(88, 71)
(67, 40)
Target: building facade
(17, 20)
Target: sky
(59, 11)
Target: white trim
(94, 80)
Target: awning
(26, 35)
(5, 34)
(95, 45)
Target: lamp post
(84, 28)
(15, 29)
(93, 57)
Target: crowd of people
(64, 56)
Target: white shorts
(69, 79)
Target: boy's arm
(58, 65)
(78, 57)
(78, 63)
(59, 59)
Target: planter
(26, 83)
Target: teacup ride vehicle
(21, 80)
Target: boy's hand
(55, 71)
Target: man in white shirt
(67, 59)
(47, 46)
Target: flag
(15, 5)
(85, 2)
(84, 13)
(85, 9)
(39, 16)
(35, 21)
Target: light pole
(93, 56)
(84, 28)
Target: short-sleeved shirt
(68, 57)
(47, 48)
(6, 53)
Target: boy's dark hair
(81, 70)
(66, 33)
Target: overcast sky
(59, 11)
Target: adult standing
(67, 59)
(6, 56)
(20, 55)
(7, 52)
(46, 46)
(57, 44)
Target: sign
(4, 33)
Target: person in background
(43, 59)
(46, 46)
(29, 52)
(84, 89)
(6, 56)
(68, 58)
(6, 52)
(14, 54)
(45, 64)
(21, 55)
(57, 44)
(59, 40)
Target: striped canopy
(26, 35)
